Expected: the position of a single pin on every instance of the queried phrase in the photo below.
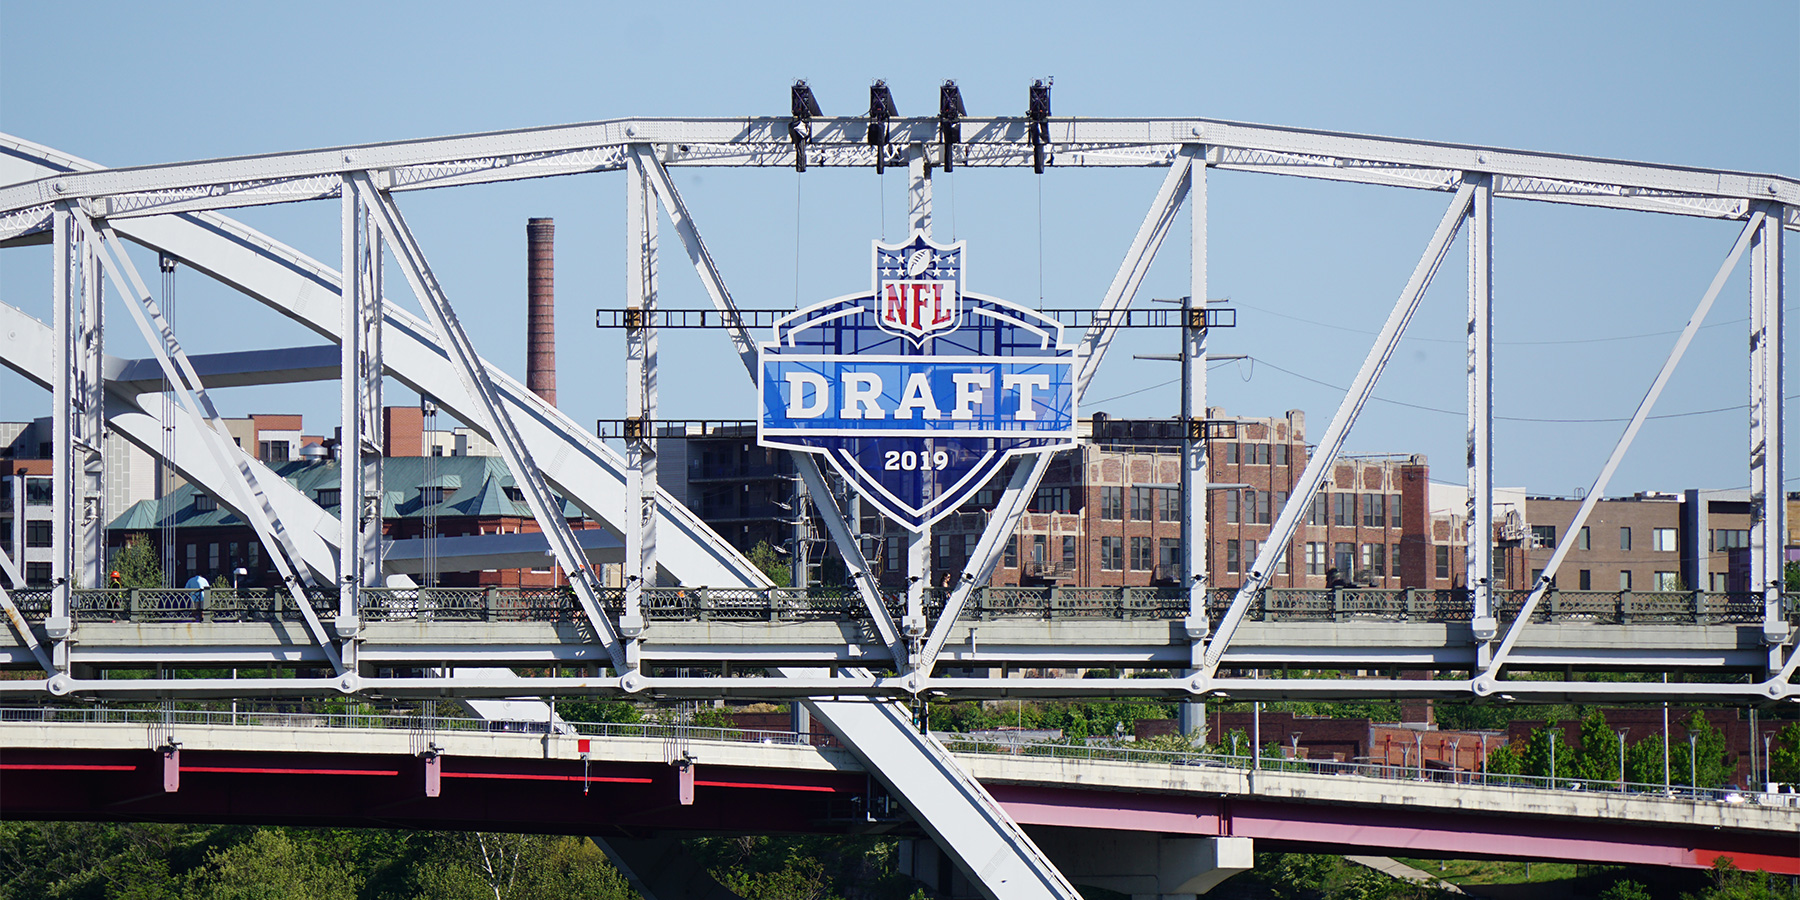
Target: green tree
(1625, 889)
(1598, 759)
(1644, 761)
(1535, 756)
(272, 866)
(1784, 754)
(1707, 753)
(1504, 760)
(137, 564)
(771, 563)
(1732, 883)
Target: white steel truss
(140, 200)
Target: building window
(38, 492)
(255, 556)
(1250, 549)
(205, 503)
(1393, 510)
(1169, 550)
(1231, 453)
(1320, 511)
(1625, 543)
(1231, 556)
(1112, 552)
(37, 534)
(1543, 535)
(943, 551)
(1500, 567)
(272, 451)
(1315, 559)
(1374, 560)
(1053, 500)
(1143, 557)
(212, 557)
(1142, 500)
(1443, 560)
(1068, 554)
(1667, 581)
(1581, 538)
(1279, 501)
(1231, 507)
(1281, 454)
(1585, 580)
(1721, 582)
(1343, 509)
(1730, 539)
(1168, 505)
(1662, 540)
(1624, 579)
(1038, 543)
(1343, 558)
(1259, 454)
(1374, 511)
(328, 496)
(193, 558)
(1010, 557)
(37, 574)
(1256, 507)
(1394, 559)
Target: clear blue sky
(1312, 267)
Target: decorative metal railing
(774, 605)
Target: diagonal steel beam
(1333, 441)
(1025, 478)
(475, 378)
(842, 532)
(1490, 676)
(246, 488)
(16, 619)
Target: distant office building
(1653, 541)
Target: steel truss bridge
(332, 632)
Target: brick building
(1650, 541)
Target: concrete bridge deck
(493, 775)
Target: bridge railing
(677, 733)
(962, 743)
(775, 605)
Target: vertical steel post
(1768, 497)
(374, 436)
(349, 449)
(65, 312)
(639, 520)
(1195, 541)
(89, 431)
(1479, 573)
(918, 543)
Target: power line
(1461, 342)
(1459, 412)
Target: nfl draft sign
(918, 391)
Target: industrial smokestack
(540, 338)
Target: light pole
(1455, 757)
(1622, 759)
(1768, 768)
(1693, 760)
(1553, 735)
(1419, 741)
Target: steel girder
(590, 473)
(604, 146)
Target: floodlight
(881, 109)
(950, 113)
(805, 106)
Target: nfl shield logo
(918, 287)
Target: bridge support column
(1144, 865)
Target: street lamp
(1768, 767)
(1553, 736)
(1693, 760)
(1622, 759)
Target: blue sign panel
(918, 391)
